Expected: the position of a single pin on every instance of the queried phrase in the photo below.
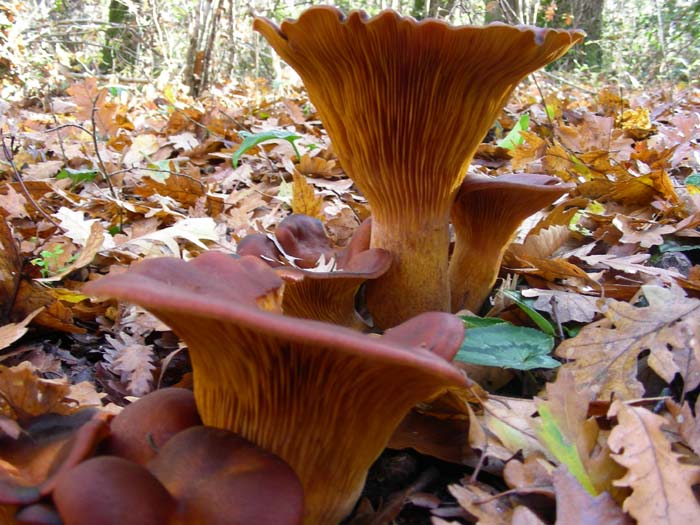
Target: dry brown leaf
(565, 306)
(575, 506)
(480, 504)
(660, 483)
(12, 203)
(688, 424)
(605, 353)
(92, 246)
(304, 200)
(10, 267)
(24, 395)
(532, 148)
(646, 233)
(86, 96)
(132, 360)
(10, 332)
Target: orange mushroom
(486, 215)
(298, 244)
(323, 398)
(406, 104)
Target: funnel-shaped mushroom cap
(327, 296)
(304, 238)
(108, 490)
(486, 215)
(219, 478)
(323, 398)
(143, 427)
(406, 104)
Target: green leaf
(537, 318)
(472, 321)
(566, 453)
(514, 138)
(77, 176)
(692, 182)
(507, 346)
(673, 246)
(250, 140)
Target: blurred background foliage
(203, 43)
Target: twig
(9, 155)
(567, 82)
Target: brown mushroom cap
(298, 388)
(406, 104)
(108, 490)
(486, 215)
(143, 427)
(219, 478)
(327, 296)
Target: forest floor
(606, 282)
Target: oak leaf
(132, 360)
(605, 353)
(23, 395)
(661, 485)
(304, 200)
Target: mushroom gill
(486, 215)
(324, 398)
(406, 104)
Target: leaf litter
(102, 180)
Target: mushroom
(406, 104)
(486, 215)
(112, 491)
(219, 478)
(143, 427)
(323, 398)
(298, 244)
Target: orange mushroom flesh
(327, 296)
(406, 104)
(486, 215)
(323, 398)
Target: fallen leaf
(605, 353)
(576, 506)
(565, 306)
(661, 485)
(24, 395)
(133, 361)
(11, 332)
(304, 199)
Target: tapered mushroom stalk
(406, 104)
(486, 215)
(323, 398)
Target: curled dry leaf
(661, 485)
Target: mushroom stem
(416, 282)
(473, 272)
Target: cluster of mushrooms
(278, 353)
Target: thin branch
(9, 155)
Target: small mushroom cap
(143, 427)
(304, 238)
(260, 245)
(108, 490)
(220, 478)
(486, 215)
